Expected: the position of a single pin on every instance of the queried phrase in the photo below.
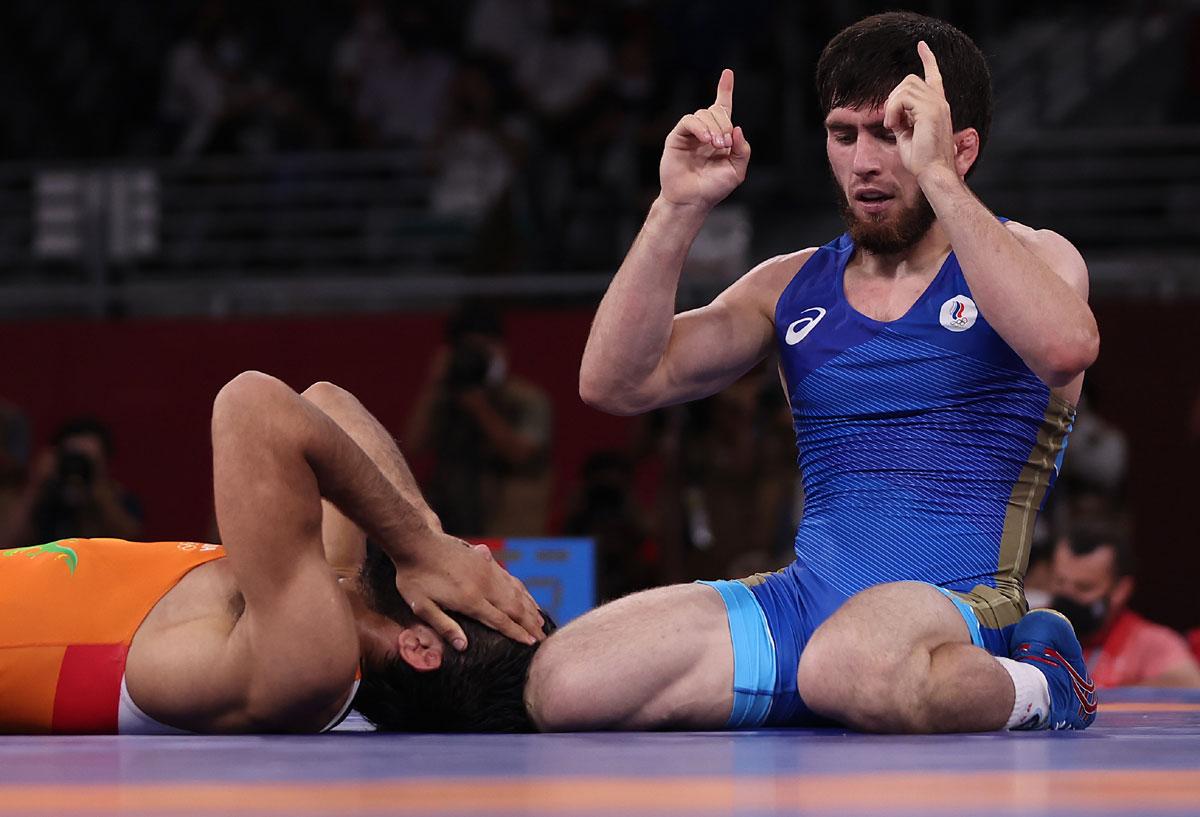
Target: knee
(860, 671)
(840, 674)
(871, 692)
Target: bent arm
(345, 545)
(274, 455)
(1014, 274)
(641, 356)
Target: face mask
(1086, 618)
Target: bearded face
(879, 199)
(890, 229)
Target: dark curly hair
(863, 63)
(478, 690)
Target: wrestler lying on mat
(282, 627)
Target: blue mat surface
(1141, 757)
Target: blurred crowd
(538, 122)
(477, 90)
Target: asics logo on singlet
(798, 330)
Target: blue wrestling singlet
(926, 448)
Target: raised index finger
(725, 91)
(933, 76)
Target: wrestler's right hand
(705, 156)
(445, 573)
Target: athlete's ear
(420, 647)
(966, 150)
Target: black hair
(481, 689)
(87, 426)
(863, 63)
(1088, 536)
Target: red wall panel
(153, 383)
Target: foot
(1046, 640)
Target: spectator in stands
(477, 166)
(476, 163)
(393, 75)
(219, 101)
(562, 78)
(489, 432)
(1093, 582)
(70, 492)
(505, 29)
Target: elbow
(245, 390)
(604, 398)
(325, 395)
(251, 398)
(1069, 360)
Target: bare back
(190, 661)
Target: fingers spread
(725, 91)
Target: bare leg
(898, 658)
(658, 659)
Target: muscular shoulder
(1056, 251)
(763, 284)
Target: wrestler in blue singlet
(927, 447)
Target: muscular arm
(641, 356)
(344, 541)
(274, 456)
(432, 568)
(1031, 286)
(1015, 274)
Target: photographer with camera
(70, 493)
(489, 432)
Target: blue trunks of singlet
(771, 618)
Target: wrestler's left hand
(917, 113)
(445, 573)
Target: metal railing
(360, 232)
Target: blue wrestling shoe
(1046, 640)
